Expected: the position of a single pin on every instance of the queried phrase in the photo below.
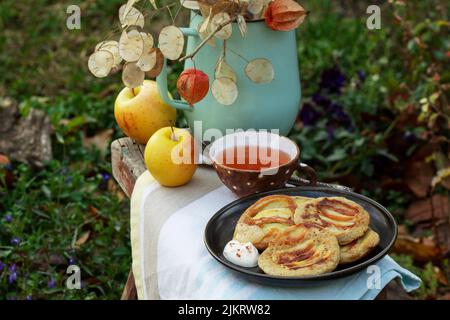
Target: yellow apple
(170, 156)
(140, 112)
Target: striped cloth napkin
(170, 260)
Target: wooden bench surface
(127, 160)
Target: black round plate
(220, 229)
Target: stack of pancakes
(302, 236)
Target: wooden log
(127, 160)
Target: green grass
(43, 65)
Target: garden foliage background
(375, 117)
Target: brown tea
(252, 158)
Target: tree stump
(25, 139)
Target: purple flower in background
(51, 283)
(332, 80)
(362, 75)
(410, 137)
(15, 241)
(72, 261)
(308, 115)
(330, 127)
(8, 218)
(321, 100)
(2, 265)
(13, 274)
(8, 166)
(29, 297)
(105, 177)
(336, 111)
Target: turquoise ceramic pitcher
(259, 106)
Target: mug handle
(309, 172)
(161, 79)
(312, 179)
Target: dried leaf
(221, 19)
(101, 140)
(436, 207)
(224, 70)
(421, 252)
(153, 2)
(171, 42)
(225, 91)
(242, 25)
(147, 61)
(442, 177)
(190, 4)
(132, 75)
(112, 47)
(131, 45)
(260, 71)
(100, 63)
(156, 70)
(205, 9)
(132, 17)
(418, 177)
(225, 6)
(82, 239)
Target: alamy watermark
(73, 21)
(374, 278)
(74, 279)
(374, 20)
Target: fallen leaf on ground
(83, 239)
(415, 248)
(418, 178)
(437, 207)
(101, 140)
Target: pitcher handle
(161, 80)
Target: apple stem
(132, 90)
(174, 137)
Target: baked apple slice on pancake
(263, 221)
(301, 250)
(345, 219)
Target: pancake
(359, 248)
(263, 221)
(345, 219)
(301, 250)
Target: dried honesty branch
(225, 91)
(156, 70)
(255, 6)
(100, 63)
(112, 47)
(147, 38)
(284, 15)
(130, 16)
(203, 32)
(242, 25)
(171, 42)
(260, 71)
(147, 61)
(224, 70)
(136, 47)
(131, 45)
(132, 75)
(222, 20)
(190, 4)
